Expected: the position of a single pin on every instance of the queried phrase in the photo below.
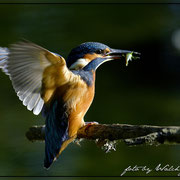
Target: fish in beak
(118, 54)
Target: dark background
(145, 92)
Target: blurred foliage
(145, 92)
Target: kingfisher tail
(56, 131)
(4, 52)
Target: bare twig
(131, 134)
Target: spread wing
(25, 66)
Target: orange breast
(76, 118)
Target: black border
(88, 3)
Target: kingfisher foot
(88, 124)
(91, 123)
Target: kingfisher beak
(118, 54)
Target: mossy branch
(130, 134)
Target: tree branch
(130, 134)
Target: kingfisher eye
(100, 51)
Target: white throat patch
(79, 64)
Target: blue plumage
(87, 72)
(84, 48)
(93, 65)
(87, 76)
(56, 130)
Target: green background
(145, 92)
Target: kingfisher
(62, 90)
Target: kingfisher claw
(88, 124)
(91, 123)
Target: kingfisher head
(93, 54)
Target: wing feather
(38, 107)
(25, 66)
(32, 103)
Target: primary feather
(25, 66)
